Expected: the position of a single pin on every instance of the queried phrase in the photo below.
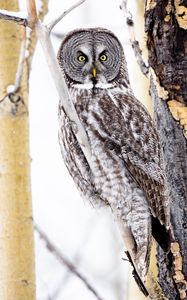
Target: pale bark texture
(17, 271)
(165, 26)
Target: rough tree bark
(165, 26)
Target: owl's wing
(154, 188)
(140, 150)
(149, 175)
(75, 161)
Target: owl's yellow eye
(81, 58)
(103, 57)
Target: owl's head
(92, 58)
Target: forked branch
(43, 34)
(52, 24)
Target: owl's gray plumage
(127, 170)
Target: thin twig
(78, 256)
(21, 62)
(31, 34)
(12, 89)
(134, 43)
(51, 25)
(63, 260)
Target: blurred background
(89, 238)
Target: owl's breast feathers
(122, 124)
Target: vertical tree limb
(17, 279)
(32, 13)
(166, 42)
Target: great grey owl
(127, 170)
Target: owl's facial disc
(91, 58)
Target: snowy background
(88, 238)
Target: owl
(126, 172)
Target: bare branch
(31, 34)
(51, 25)
(17, 17)
(90, 227)
(43, 34)
(32, 13)
(14, 88)
(63, 260)
(134, 43)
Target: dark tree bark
(166, 28)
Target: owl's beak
(94, 72)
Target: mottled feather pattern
(127, 171)
(76, 163)
(138, 148)
(111, 180)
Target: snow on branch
(63, 260)
(17, 17)
(43, 34)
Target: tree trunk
(165, 25)
(17, 280)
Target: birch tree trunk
(17, 274)
(166, 25)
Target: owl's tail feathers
(137, 277)
(162, 235)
